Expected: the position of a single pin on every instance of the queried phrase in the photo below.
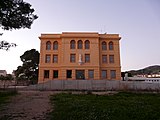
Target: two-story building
(79, 55)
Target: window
(55, 73)
(104, 58)
(104, 74)
(79, 44)
(87, 44)
(48, 45)
(87, 58)
(90, 73)
(111, 58)
(69, 74)
(55, 45)
(113, 74)
(48, 59)
(104, 45)
(46, 73)
(80, 74)
(55, 58)
(72, 58)
(72, 44)
(110, 45)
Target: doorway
(80, 74)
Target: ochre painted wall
(95, 51)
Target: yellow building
(79, 55)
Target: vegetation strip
(4, 96)
(120, 106)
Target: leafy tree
(9, 77)
(29, 68)
(15, 14)
(6, 45)
(2, 77)
(6, 79)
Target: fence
(6, 83)
(95, 85)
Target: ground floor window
(104, 74)
(55, 73)
(46, 73)
(69, 74)
(80, 74)
(90, 73)
(113, 74)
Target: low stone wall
(6, 83)
(95, 85)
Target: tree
(29, 69)
(6, 45)
(6, 79)
(16, 14)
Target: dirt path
(27, 105)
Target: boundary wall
(95, 85)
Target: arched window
(80, 44)
(110, 45)
(72, 44)
(104, 45)
(87, 44)
(48, 45)
(55, 45)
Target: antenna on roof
(103, 30)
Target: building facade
(3, 72)
(79, 55)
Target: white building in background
(154, 76)
(3, 72)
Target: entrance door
(80, 74)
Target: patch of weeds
(120, 106)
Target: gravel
(27, 105)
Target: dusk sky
(137, 22)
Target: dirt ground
(27, 105)
(33, 105)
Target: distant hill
(148, 70)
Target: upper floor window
(55, 45)
(111, 58)
(48, 59)
(110, 45)
(72, 58)
(87, 58)
(104, 58)
(72, 44)
(87, 44)
(48, 45)
(104, 45)
(80, 44)
(55, 58)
